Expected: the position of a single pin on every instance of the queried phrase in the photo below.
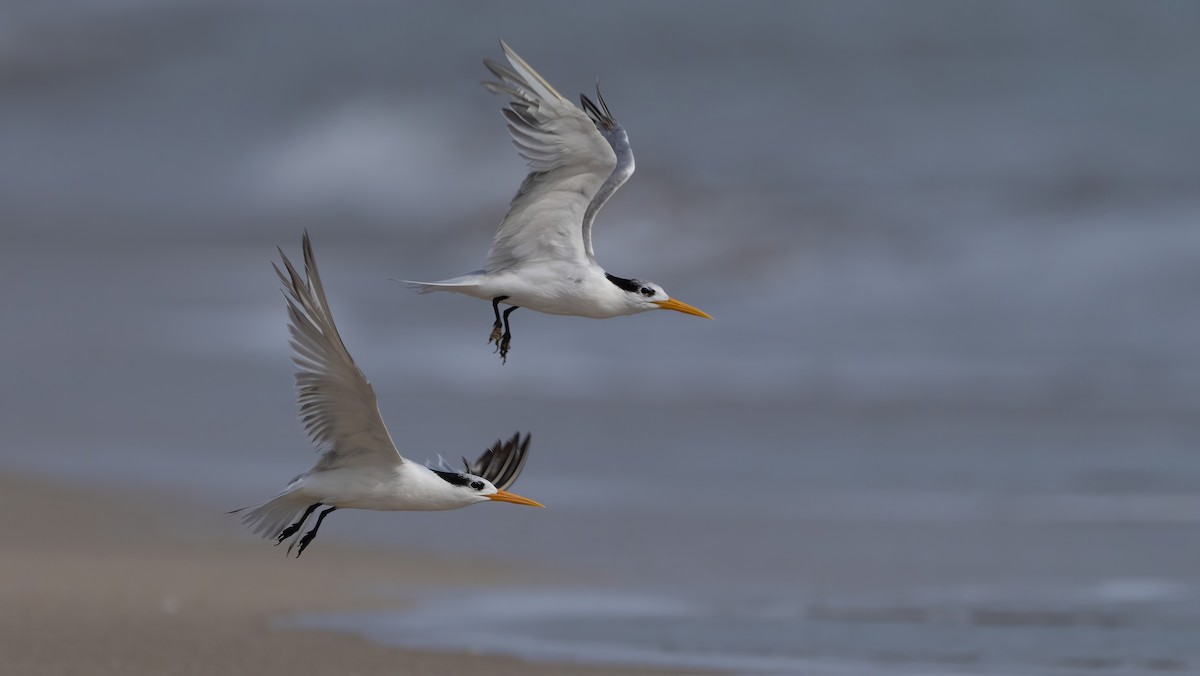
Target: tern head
(640, 296)
(472, 489)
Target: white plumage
(359, 467)
(541, 256)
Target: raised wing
(618, 140)
(502, 463)
(337, 404)
(571, 163)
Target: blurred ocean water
(945, 421)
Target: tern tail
(462, 284)
(269, 518)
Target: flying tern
(541, 256)
(360, 467)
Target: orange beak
(680, 306)
(505, 496)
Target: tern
(360, 467)
(541, 256)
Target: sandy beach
(125, 584)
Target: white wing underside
(337, 403)
(568, 159)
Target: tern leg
(308, 537)
(291, 530)
(496, 327)
(506, 338)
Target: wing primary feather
(571, 158)
(498, 88)
(516, 119)
(337, 404)
(589, 107)
(603, 103)
(514, 460)
(497, 69)
(517, 464)
(599, 114)
(502, 463)
(522, 113)
(519, 63)
(504, 72)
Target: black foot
(497, 327)
(506, 339)
(502, 347)
(292, 529)
(286, 533)
(308, 537)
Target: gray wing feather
(569, 161)
(619, 141)
(337, 404)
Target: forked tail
(271, 517)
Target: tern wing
(502, 463)
(337, 403)
(569, 161)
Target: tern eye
(647, 291)
(477, 485)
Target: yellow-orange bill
(505, 496)
(680, 306)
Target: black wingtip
(600, 115)
(502, 462)
(603, 103)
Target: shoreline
(100, 582)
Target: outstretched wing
(502, 463)
(570, 161)
(337, 403)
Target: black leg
(496, 327)
(507, 338)
(291, 530)
(308, 537)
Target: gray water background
(944, 422)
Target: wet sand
(97, 583)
